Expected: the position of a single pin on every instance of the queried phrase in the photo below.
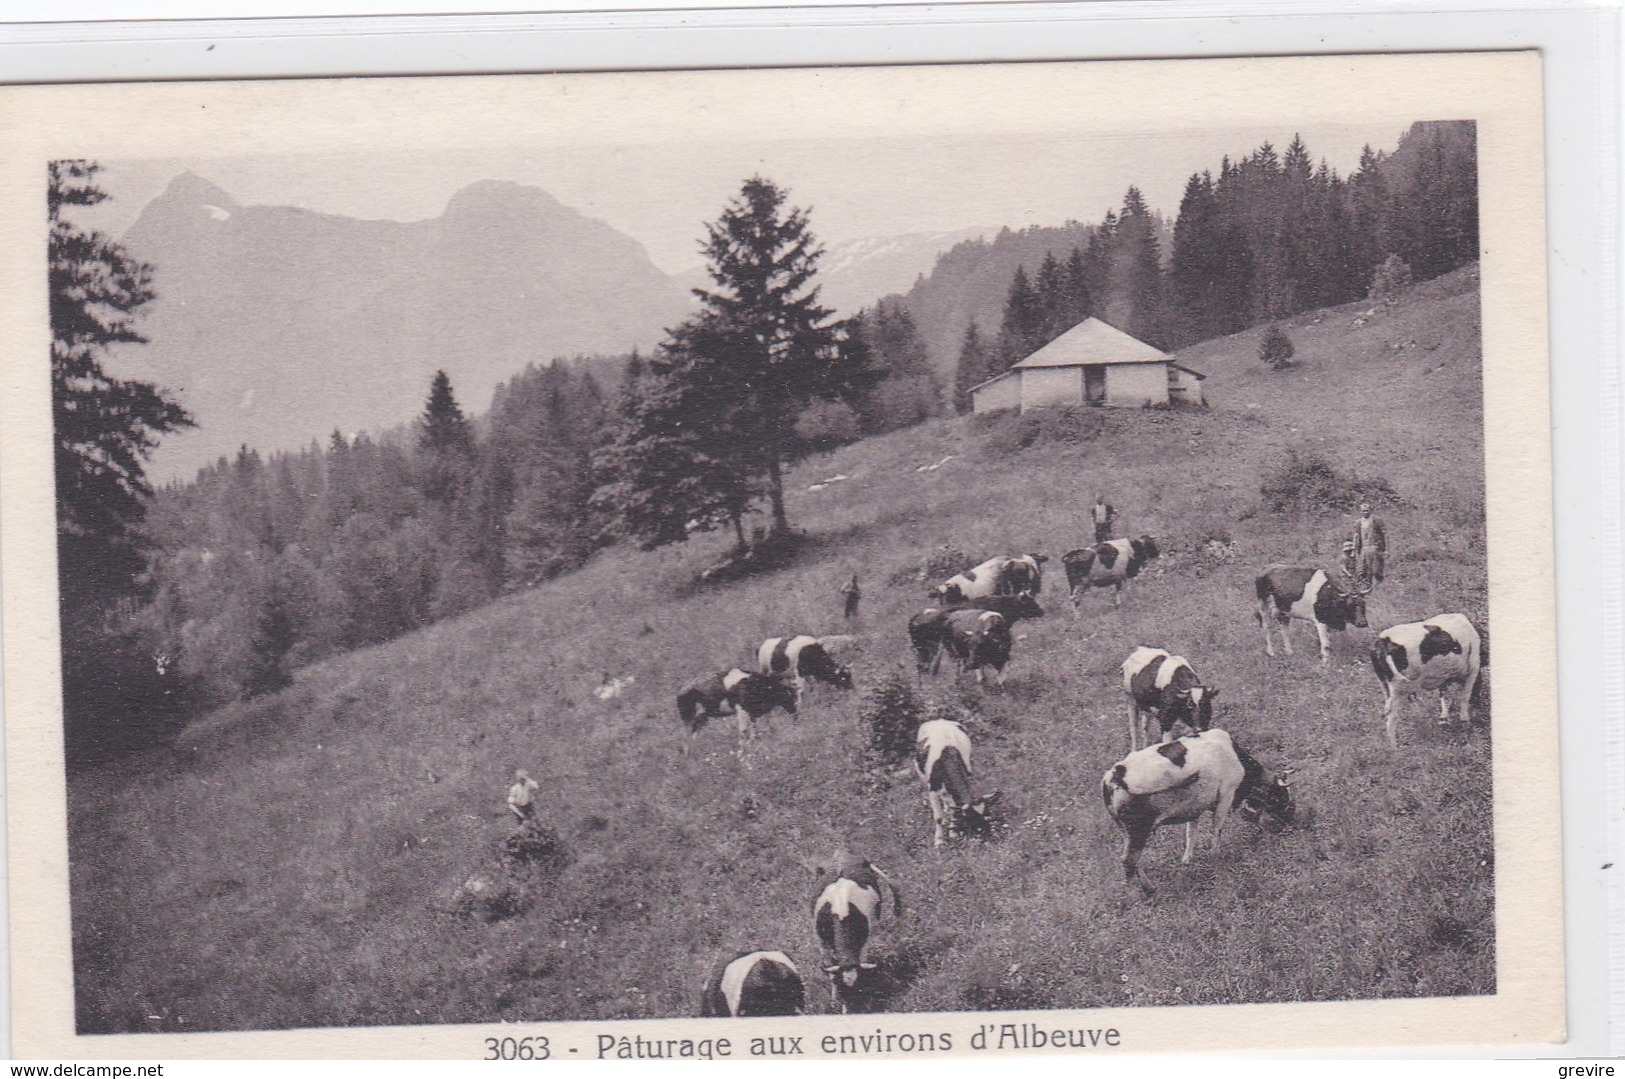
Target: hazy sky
(661, 193)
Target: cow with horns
(1416, 657)
(742, 694)
(1302, 592)
(1165, 686)
(802, 657)
(753, 984)
(1002, 576)
(1113, 563)
(942, 759)
(1176, 782)
(846, 908)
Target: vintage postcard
(763, 562)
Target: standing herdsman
(1104, 517)
(1370, 544)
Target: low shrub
(891, 715)
(1275, 349)
(941, 563)
(1306, 481)
(1063, 425)
(534, 843)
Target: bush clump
(1008, 433)
(1275, 348)
(891, 715)
(941, 563)
(535, 844)
(1309, 482)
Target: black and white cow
(802, 657)
(1114, 562)
(1413, 657)
(928, 630)
(1303, 592)
(1001, 576)
(846, 909)
(978, 640)
(752, 984)
(942, 759)
(1165, 686)
(742, 694)
(1176, 782)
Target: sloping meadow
(309, 859)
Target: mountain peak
(192, 189)
(499, 196)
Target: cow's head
(1026, 605)
(1272, 795)
(1195, 707)
(1038, 559)
(970, 821)
(842, 678)
(947, 593)
(1144, 548)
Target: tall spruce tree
(766, 326)
(104, 430)
(976, 360)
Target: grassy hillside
(291, 864)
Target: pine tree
(764, 324)
(671, 463)
(972, 369)
(105, 427)
(443, 426)
(104, 430)
(1021, 330)
(445, 444)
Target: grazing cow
(1288, 592)
(1002, 576)
(1164, 685)
(1416, 657)
(802, 657)
(845, 910)
(753, 984)
(942, 758)
(928, 630)
(739, 693)
(1176, 782)
(977, 640)
(1111, 563)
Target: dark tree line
(261, 566)
(1270, 236)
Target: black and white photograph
(1018, 544)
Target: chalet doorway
(1094, 385)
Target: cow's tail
(1261, 588)
(896, 895)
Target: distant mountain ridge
(276, 325)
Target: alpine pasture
(291, 863)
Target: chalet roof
(1093, 342)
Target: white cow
(1414, 657)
